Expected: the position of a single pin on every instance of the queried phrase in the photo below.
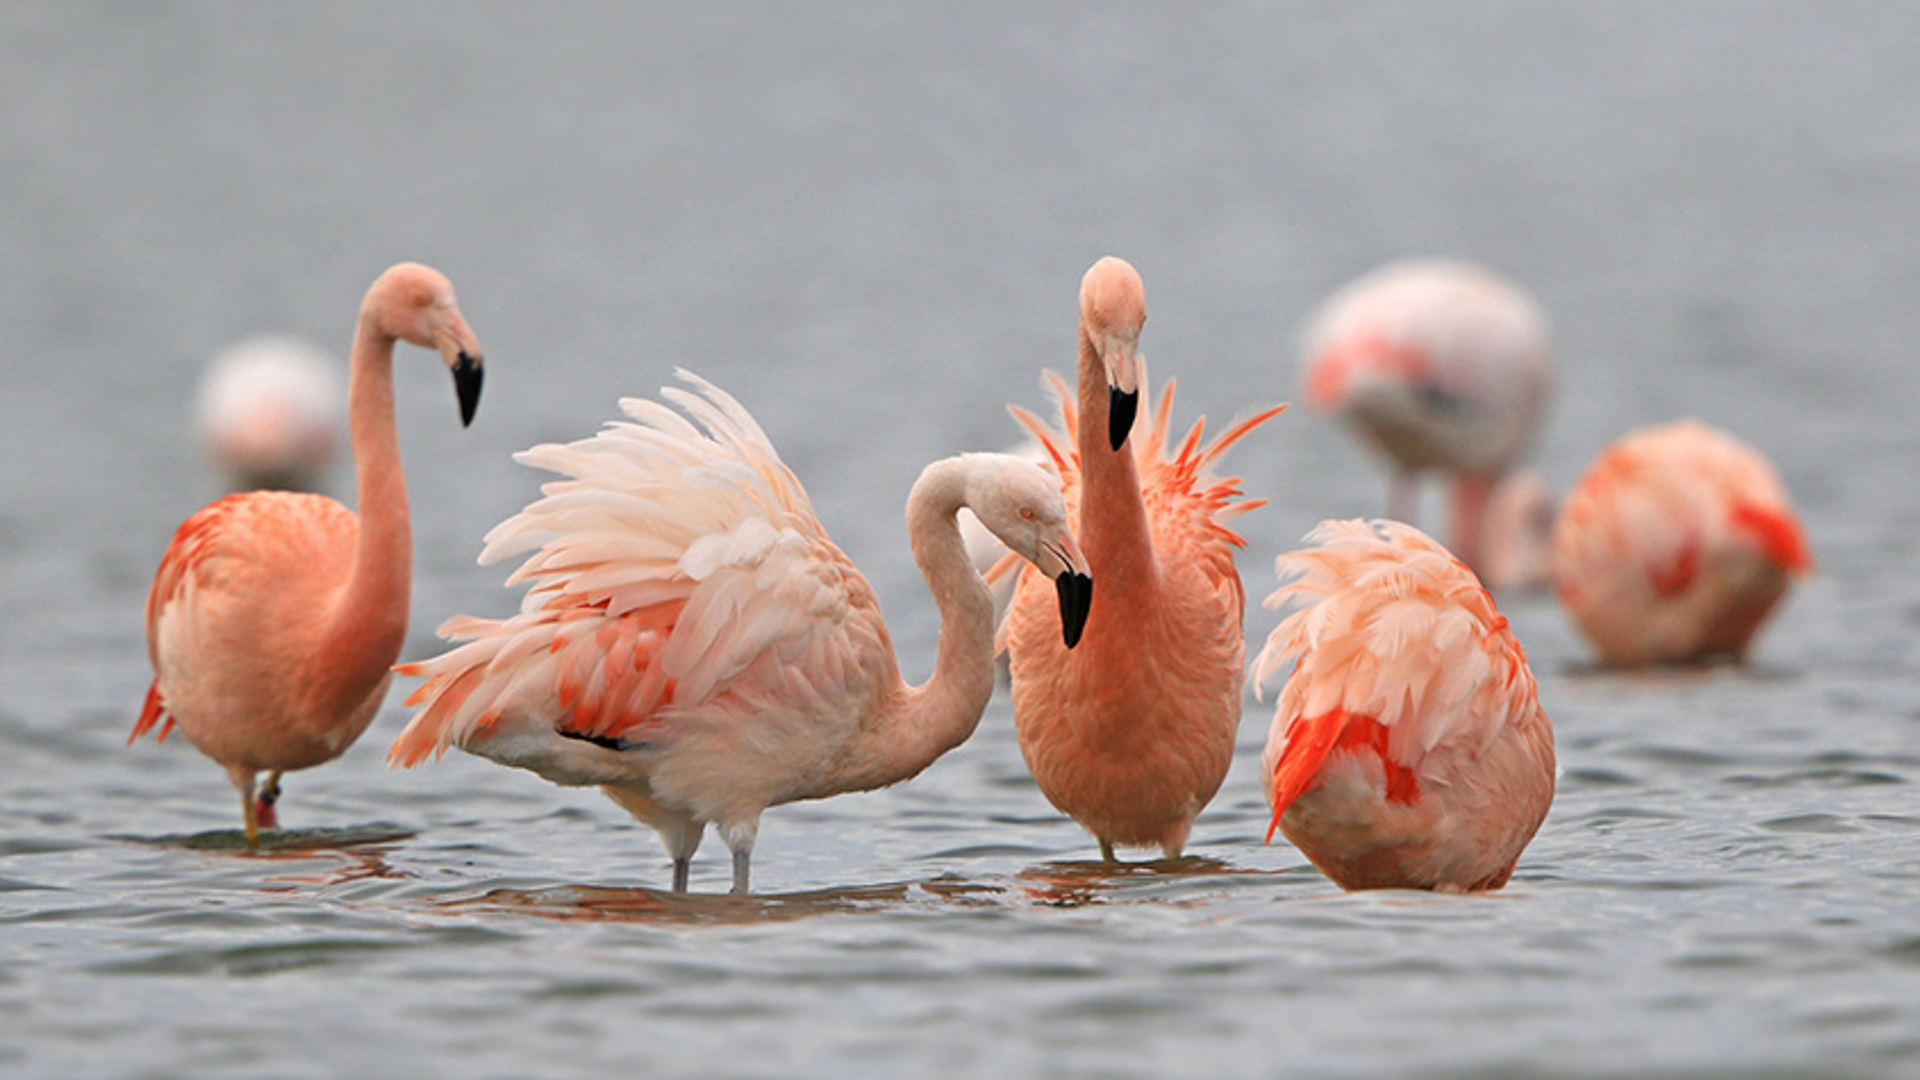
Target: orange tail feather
(1311, 741)
(153, 712)
(1779, 535)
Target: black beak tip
(1121, 407)
(1076, 600)
(467, 375)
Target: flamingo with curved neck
(275, 616)
(1131, 733)
(696, 645)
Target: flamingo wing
(1396, 649)
(676, 567)
(1190, 507)
(1661, 499)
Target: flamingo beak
(466, 384)
(1121, 407)
(1073, 583)
(1076, 600)
(1123, 387)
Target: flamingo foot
(264, 803)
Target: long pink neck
(922, 722)
(1113, 527)
(368, 622)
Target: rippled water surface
(869, 224)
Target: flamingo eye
(1026, 513)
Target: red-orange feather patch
(1311, 741)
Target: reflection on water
(288, 842)
(587, 903)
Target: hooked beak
(1123, 388)
(466, 384)
(1062, 561)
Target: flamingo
(275, 616)
(1675, 546)
(697, 646)
(268, 410)
(1437, 365)
(1131, 734)
(1517, 553)
(1408, 747)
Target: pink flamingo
(268, 410)
(275, 616)
(1516, 551)
(695, 644)
(1132, 732)
(1437, 365)
(1675, 546)
(1408, 748)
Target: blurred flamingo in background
(1408, 748)
(275, 617)
(695, 644)
(1676, 545)
(1516, 548)
(1131, 733)
(268, 411)
(1437, 365)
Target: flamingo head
(415, 304)
(1113, 308)
(1020, 503)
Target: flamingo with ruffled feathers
(1408, 748)
(1131, 733)
(696, 645)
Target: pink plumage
(1676, 545)
(269, 411)
(696, 645)
(1437, 365)
(1409, 748)
(1131, 733)
(274, 616)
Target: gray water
(869, 222)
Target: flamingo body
(274, 616)
(1675, 546)
(1516, 553)
(695, 643)
(1408, 748)
(1437, 365)
(268, 410)
(1131, 733)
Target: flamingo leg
(251, 816)
(1106, 851)
(740, 857)
(265, 802)
(682, 866)
(1470, 493)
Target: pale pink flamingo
(697, 646)
(1408, 748)
(1131, 733)
(275, 616)
(1675, 546)
(1516, 550)
(269, 411)
(1436, 365)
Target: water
(869, 224)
